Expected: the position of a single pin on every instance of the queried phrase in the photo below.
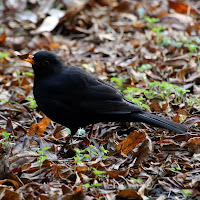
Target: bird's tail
(159, 121)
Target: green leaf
(95, 153)
(87, 185)
(4, 54)
(145, 106)
(46, 148)
(97, 172)
(35, 149)
(5, 134)
(96, 184)
(28, 73)
(86, 156)
(105, 156)
(151, 19)
(103, 150)
(187, 192)
(144, 67)
(4, 100)
(88, 67)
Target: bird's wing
(86, 93)
(102, 98)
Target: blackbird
(74, 98)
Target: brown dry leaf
(7, 192)
(176, 62)
(129, 193)
(23, 56)
(50, 22)
(54, 46)
(81, 169)
(116, 174)
(3, 37)
(180, 177)
(10, 182)
(193, 141)
(168, 187)
(181, 74)
(193, 76)
(124, 6)
(154, 106)
(178, 21)
(169, 145)
(130, 143)
(148, 185)
(73, 7)
(21, 160)
(110, 3)
(181, 114)
(182, 7)
(39, 128)
(191, 120)
(78, 194)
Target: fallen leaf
(39, 128)
(130, 143)
(3, 37)
(23, 56)
(129, 193)
(116, 174)
(181, 7)
(178, 21)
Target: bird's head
(44, 63)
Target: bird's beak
(29, 59)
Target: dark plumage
(74, 98)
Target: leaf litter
(138, 46)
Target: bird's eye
(45, 63)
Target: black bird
(74, 98)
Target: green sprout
(193, 47)
(177, 168)
(32, 103)
(42, 156)
(119, 82)
(138, 101)
(21, 76)
(79, 156)
(7, 138)
(95, 184)
(168, 41)
(3, 55)
(88, 68)
(144, 67)
(158, 32)
(179, 93)
(186, 193)
(4, 100)
(98, 173)
(156, 90)
(89, 153)
(27, 74)
(150, 21)
(194, 102)
(104, 151)
(163, 89)
(137, 180)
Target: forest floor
(147, 49)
